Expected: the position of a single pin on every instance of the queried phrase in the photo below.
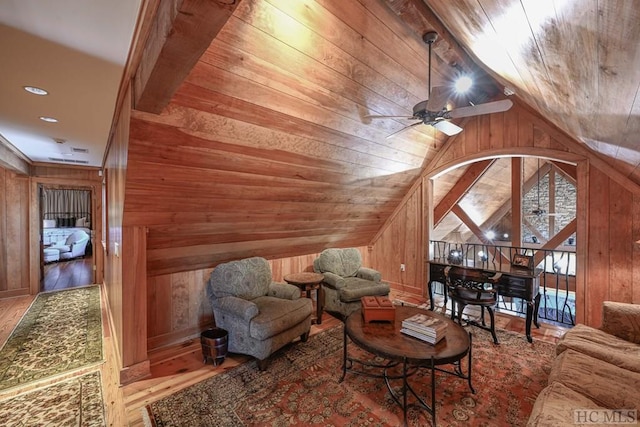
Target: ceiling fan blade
(438, 98)
(403, 129)
(447, 127)
(477, 110)
(388, 117)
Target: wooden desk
(516, 283)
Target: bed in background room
(58, 226)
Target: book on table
(424, 327)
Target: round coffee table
(386, 340)
(308, 282)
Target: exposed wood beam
(556, 240)
(477, 231)
(534, 230)
(420, 18)
(506, 206)
(516, 201)
(9, 159)
(182, 31)
(473, 173)
(567, 170)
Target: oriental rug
(61, 332)
(301, 387)
(74, 402)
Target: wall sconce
(482, 256)
(534, 239)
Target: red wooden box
(377, 309)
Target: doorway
(66, 237)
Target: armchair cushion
(238, 307)
(276, 315)
(333, 280)
(284, 291)
(369, 274)
(356, 288)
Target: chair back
(343, 262)
(472, 286)
(247, 278)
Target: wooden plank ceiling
(577, 62)
(265, 148)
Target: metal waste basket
(214, 345)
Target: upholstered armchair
(73, 246)
(346, 280)
(261, 316)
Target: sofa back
(343, 262)
(247, 279)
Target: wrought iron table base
(407, 371)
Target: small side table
(308, 282)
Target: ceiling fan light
(447, 127)
(463, 84)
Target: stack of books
(424, 327)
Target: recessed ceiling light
(36, 90)
(48, 119)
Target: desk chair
(473, 287)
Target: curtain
(66, 203)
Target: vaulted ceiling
(268, 124)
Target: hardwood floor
(68, 274)
(180, 366)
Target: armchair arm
(369, 274)
(622, 320)
(283, 290)
(333, 280)
(235, 306)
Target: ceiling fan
(434, 112)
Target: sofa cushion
(622, 320)
(248, 278)
(276, 315)
(601, 345)
(356, 288)
(555, 405)
(343, 262)
(606, 384)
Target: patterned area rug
(301, 388)
(59, 333)
(74, 402)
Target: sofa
(260, 316)
(346, 280)
(594, 369)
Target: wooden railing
(557, 280)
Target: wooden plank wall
(14, 234)
(401, 243)
(263, 149)
(608, 217)
(178, 309)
